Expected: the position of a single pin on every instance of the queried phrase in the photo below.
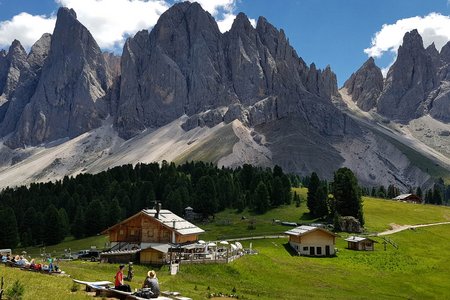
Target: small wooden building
(360, 243)
(312, 241)
(149, 234)
(409, 198)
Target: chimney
(173, 232)
(158, 209)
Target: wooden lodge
(409, 198)
(360, 243)
(147, 236)
(312, 241)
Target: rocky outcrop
(186, 66)
(409, 81)
(73, 77)
(365, 85)
(26, 85)
(11, 66)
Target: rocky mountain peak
(365, 85)
(11, 67)
(76, 72)
(445, 53)
(408, 81)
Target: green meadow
(418, 269)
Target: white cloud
(112, 21)
(433, 28)
(224, 11)
(26, 28)
(109, 21)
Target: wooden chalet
(147, 236)
(409, 198)
(360, 243)
(312, 241)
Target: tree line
(439, 194)
(45, 213)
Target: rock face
(26, 85)
(73, 77)
(408, 81)
(11, 66)
(418, 83)
(186, 66)
(365, 85)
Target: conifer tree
(9, 238)
(347, 195)
(261, 198)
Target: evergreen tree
(348, 201)
(277, 197)
(54, 232)
(321, 209)
(114, 213)
(206, 201)
(79, 223)
(311, 199)
(419, 192)
(437, 196)
(381, 193)
(64, 220)
(8, 224)
(94, 218)
(429, 196)
(287, 193)
(261, 198)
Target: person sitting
(118, 283)
(151, 282)
(22, 261)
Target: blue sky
(334, 32)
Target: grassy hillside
(419, 269)
(211, 149)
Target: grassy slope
(418, 270)
(213, 148)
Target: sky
(339, 33)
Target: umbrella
(239, 245)
(224, 243)
(233, 246)
(212, 245)
(201, 242)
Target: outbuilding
(409, 198)
(312, 241)
(360, 243)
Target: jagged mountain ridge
(185, 73)
(417, 84)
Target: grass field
(419, 269)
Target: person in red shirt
(119, 281)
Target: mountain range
(186, 91)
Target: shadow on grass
(290, 250)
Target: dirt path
(397, 228)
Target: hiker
(119, 281)
(152, 283)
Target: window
(121, 232)
(132, 232)
(166, 234)
(150, 233)
(319, 250)
(305, 248)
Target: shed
(409, 198)
(312, 241)
(360, 243)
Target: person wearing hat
(151, 282)
(119, 281)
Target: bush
(16, 291)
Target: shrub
(16, 291)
